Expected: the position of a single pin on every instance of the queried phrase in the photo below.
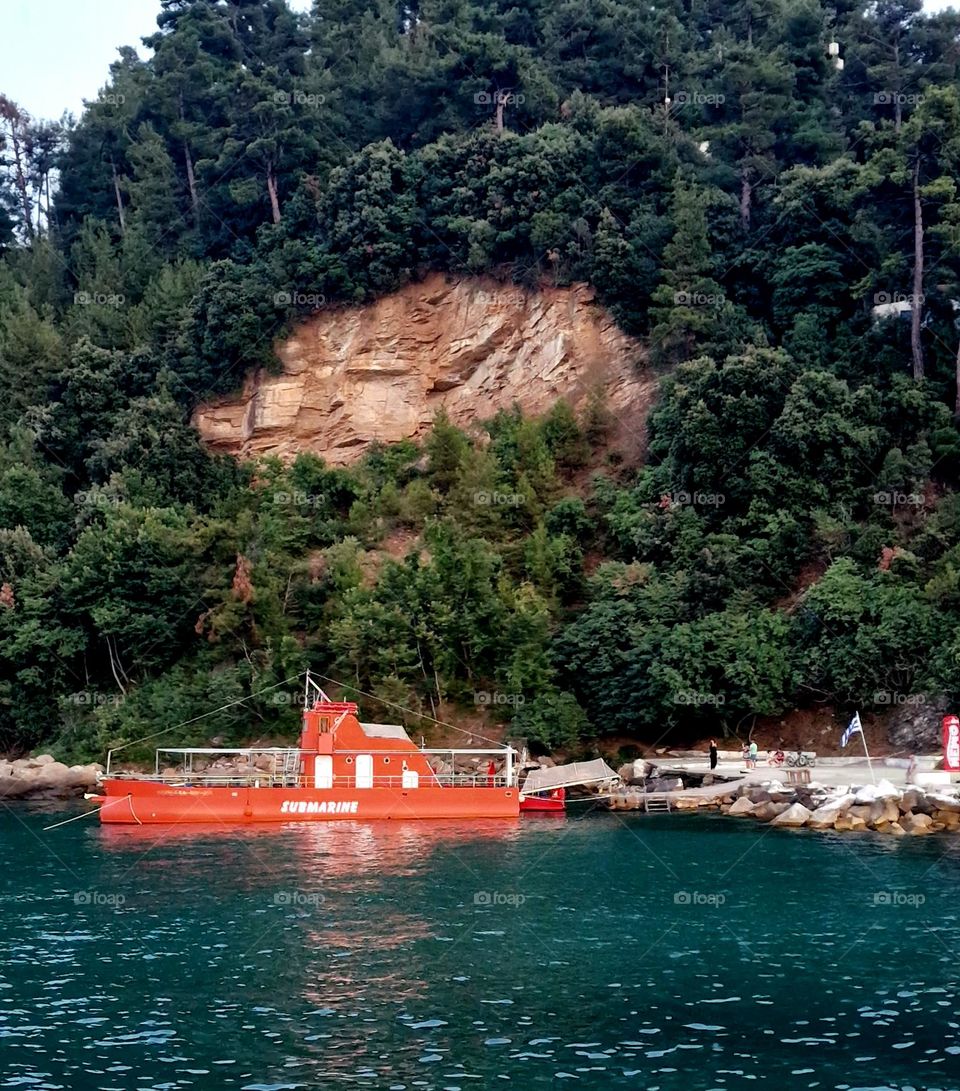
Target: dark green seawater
(593, 952)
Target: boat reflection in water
(328, 908)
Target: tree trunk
(916, 303)
(21, 179)
(188, 163)
(119, 196)
(191, 181)
(272, 190)
(501, 105)
(956, 404)
(746, 195)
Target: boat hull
(542, 805)
(149, 802)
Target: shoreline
(881, 807)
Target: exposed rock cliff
(381, 371)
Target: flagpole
(863, 736)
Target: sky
(56, 53)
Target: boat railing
(267, 779)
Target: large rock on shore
(766, 812)
(742, 807)
(917, 824)
(826, 815)
(795, 815)
(44, 777)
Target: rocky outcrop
(352, 375)
(45, 778)
(914, 726)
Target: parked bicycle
(799, 760)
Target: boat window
(324, 723)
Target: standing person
(713, 755)
(754, 750)
(912, 769)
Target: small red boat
(546, 803)
(342, 769)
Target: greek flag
(853, 729)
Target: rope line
(204, 715)
(403, 708)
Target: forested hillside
(764, 190)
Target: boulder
(917, 824)
(944, 801)
(911, 800)
(765, 812)
(665, 784)
(794, 815)
(83, 776)
(849, 823)
(686, 803)
(893, 828)
(861, 811)
(827, 816)
(758, 795)
(883, 789)
(950, 820)
(883, 810)
(641, 769)
(743, 806)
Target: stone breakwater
(44, 777)
(882, 807)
